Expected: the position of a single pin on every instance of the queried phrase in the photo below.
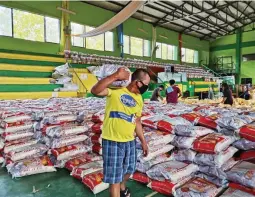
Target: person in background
(156, 93)
(122, 121)
(173, 92)
(211, 90)
(247, 94)
(227, 94)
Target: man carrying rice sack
(122, 118)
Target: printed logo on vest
(128, 100)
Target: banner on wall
(119, 18)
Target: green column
(238, 54)
(65, 41)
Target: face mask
(143, 88)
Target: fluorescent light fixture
(142, 30)
(163, 36)
(65, 10)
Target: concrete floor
(61, 185)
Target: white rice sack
(214, 179)
(183, 142)
(244, 144)
(243, 173)
(154, 152)
(87, 168)
(177, 121)
(30, 167)
(231, 192)
(1, 144)
(228, 132)
(108, 69)
(144, 167)
(213, 143)
(65, 141)
(17, 136)
(62, 70)
(232, 123)
(191, 131)
(1, 159)
(59, 119)
(166, 187)
(215, 159)
(197, 187)
(80, 159)
(14, 145)
(94, 182)
(155, 138)
(216, 171)
(183, 155)
(39, 115)
(174, 171)
(65, 130)
(27, 152)
(12, 128)
(151, 121)
(67, 152)
(21, 117)
(98, 117)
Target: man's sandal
(125, 193)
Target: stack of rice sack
(197, 149)
(232, 192)
(242, 175)
(96, 130)
(88, 167)
(23, 154)
(214, 155)
(61, 132)
(196, 145)
(159, 169)
(246, 143)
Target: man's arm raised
(100, 88)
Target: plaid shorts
(119, 159)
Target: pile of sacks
(198, 159)
(23, 154)
(61, 132)
(61, 75)
(39, 135)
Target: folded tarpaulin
(119, 18)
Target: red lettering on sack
(207, 143)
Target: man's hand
(100, 89)
(122, 74)
(145, 149)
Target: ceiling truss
(203, 19)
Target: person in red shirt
(172, 92)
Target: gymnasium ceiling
(203, 19)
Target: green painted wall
(226, 46)
(94, 16)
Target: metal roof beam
(207, 18)
(237, 18)
(233, 31)
(215, 15)
(213, 24)
(157, 22)
(184, 18)
(252, 21)
(153, 16)
(249, 5)
(189, 21)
